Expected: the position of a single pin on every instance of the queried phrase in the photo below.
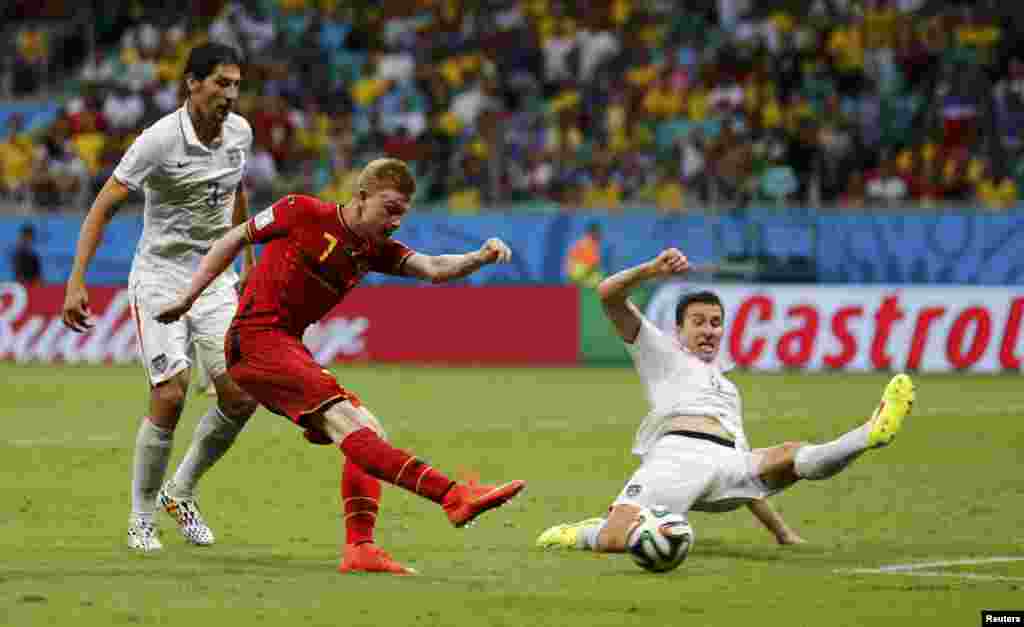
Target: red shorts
(278, 370)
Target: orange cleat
(370, 558)
(465, 501)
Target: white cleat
(190, 521)
(142, 536)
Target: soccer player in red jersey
(315, 253)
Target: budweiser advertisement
(451, 324)
(929, 329)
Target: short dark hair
(202, 60)
(27, 229)
(706, 297)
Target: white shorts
(168, 349)
(684, 473)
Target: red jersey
(311, 261)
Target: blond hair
(386, 174)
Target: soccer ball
(661, 540)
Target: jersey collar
(188, 130)
(363, 243)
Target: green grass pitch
(949, 489)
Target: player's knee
(791, 448)
(168, 400)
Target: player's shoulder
(307, 204)
(162, 133)
(239, 126)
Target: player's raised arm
(443, 268)
(614, 290)
(76, 297)
(216, 261)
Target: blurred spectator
(28, 269)
(123, 108)
(885, 186)
(1009, 99)
(855, 196)
(583, 262)
(582, 104)
(247, 26)
(63, 182)
(16, 158)
(778, 182)
(32, 56)
(997, 191)
(261, 171)
(669, 194)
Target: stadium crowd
(553, 104)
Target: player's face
(383, 211)
(702, 329)
(215, 96)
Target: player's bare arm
(773, 522)
(216, 261)
(444, 268)
(76, 297)
(614, 291)
(239, 214)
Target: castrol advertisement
(854, 328)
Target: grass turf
(948, 489)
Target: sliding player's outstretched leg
(821, 461)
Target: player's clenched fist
(670, 261)
(496, 251)
(76, 308)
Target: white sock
(821, 461)
(214, 435)
(586, 539)
(152, 451)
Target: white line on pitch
(927, 569)
(926, 573)
(86, 442)
(895, 568)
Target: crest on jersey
(357, 258)
(159, 363)
(264, 218)
(634, 490)
(235, 157)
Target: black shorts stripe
(704, 436)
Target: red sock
(387, 463)
(360, 496)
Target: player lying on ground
(316, 252)
(694, 451)
(189, 164)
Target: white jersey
(678, 383)
(190, 194)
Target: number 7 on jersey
(331, 243)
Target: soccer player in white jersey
(694, 451)
(189, 165)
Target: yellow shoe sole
(564, 536)
(897, 401)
